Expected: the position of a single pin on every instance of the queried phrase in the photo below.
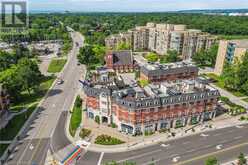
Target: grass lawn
(246, 99)
(13, 127)
(220, 83)
(3, 147)
(56, 65)
(76, 116)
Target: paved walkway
(234, 162)
(234, 99)
(6, 142)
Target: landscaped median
(56, 65)
(76, 116)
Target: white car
(60, 81)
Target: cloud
(135, 5)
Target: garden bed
(108, 140)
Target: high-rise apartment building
(228, 51)
(163, 37)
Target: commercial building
(166, 103)
(229, 50)
(156, 73)
(136, 110)
(4, 101)
(163, 37)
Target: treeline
(96, 26)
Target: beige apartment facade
(160, 38)
(229, 50)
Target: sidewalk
(133, 143)
(233, 162)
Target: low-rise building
(120, 61)
(156, 73)
(229, 50)
(136, 110)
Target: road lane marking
(165, 145)
(176, 159)
(186, 142)
(238, 137)
(139, 156)
(100, 159)
(204, 135)
(218, 134)
(224, 141)
(231, 131)
(212, 154)
(239, 126)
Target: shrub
(84, 133)
(107, 140)
(113, 125)
(164, 130)
(97, 119)
(148, 133)
(242, 118)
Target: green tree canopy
(171, 56)
(152, 57)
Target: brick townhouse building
(120, 61)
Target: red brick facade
(155, 114)
(158, 79)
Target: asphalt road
(225, 144)
(51, 114)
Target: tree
(123, 46)
(87, 55)
(152, 57)
(211, 161)
(97, 119)
(12, 82)
(29, 74)
(241, 159)
(99, 52)
(171, 56)
(206, 57)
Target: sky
(133, 5)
